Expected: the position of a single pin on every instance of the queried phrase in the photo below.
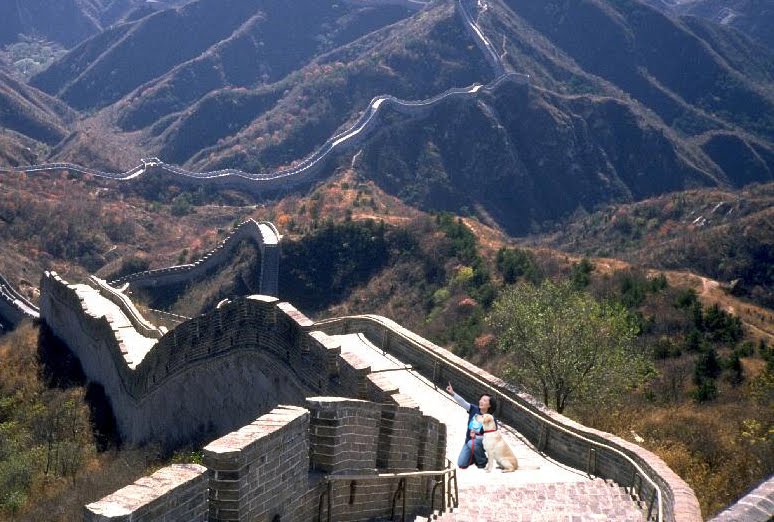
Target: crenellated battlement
(316, 462)
(216, 372)
(244, 358)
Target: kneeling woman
(473, 450)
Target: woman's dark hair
(492, 403)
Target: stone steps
(593, 501)
(541, 490)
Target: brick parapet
(431, 444)
(270, 468)
(599, 453)
(177, 492)
(260, 470)
(399, 436)
(373, 500)
(344, 434)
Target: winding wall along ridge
(264, 233)
(311, 165)
(210, 374)
(256, 350)
(14, 307)
(144, 327)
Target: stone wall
(755, 506)
(291, 464)
(598, 453)
(216, 372)
(174, 493)
(261, 470)
(490, 53)
(144, 327)
(14, 307)
(257, 352)
(264, 234)
(211, 374)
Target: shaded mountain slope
(734, 85)
(140, 51)
(655, 59)
(747, 160)
(755, 18)
(65, 21)
(27, 111)
(623, 102)
(414, 59)
(274, 124)
(263, 50)
(528, 156)
(16, 150)
(500, 157)
(69, 22)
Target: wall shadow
(61, 368)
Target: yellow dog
(496, 448)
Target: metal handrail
(447, 481)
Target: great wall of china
(219, 371)
(14, 307)
(263, 234)
(348, 444)
(308, 168)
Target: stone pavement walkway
(134, 345)
(591, 501)
(541, 490)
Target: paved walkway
(134, 345)
(541, 490)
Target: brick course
(177, 492)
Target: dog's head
(488, 422)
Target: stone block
(154, 496)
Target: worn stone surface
(592, 501)
(177, 492)
(573, 445)
(756, 506)
(540, 487)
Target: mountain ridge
(34, 114)
(672, 134)
(749, 17)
